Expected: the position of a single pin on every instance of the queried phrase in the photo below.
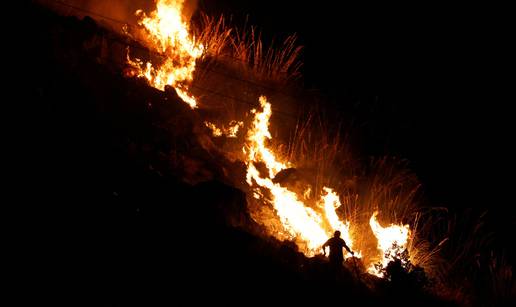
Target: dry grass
(215, 35)
(278, 62)
(456, 249)
(315, 145)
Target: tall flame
(168, 34)
(257, 135)
(300, 221)
(392, 241)
(331, 202)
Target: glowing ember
(306, 193)
(392, 241)
(230, 132)
(214, 129)
(167, 34)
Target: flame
(230, 132)
(256, 136)
(298, 220)
(331, 202)
(168, 34)
(301, 222)
(307, 192)
(392, 241)
(214, 129)
(233, 128)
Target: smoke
(111, 13)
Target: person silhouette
(336, 243)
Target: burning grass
(453, 248)
(295, 186)
(306, 187)
(244, 47)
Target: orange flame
(168, 34)
(230, 132)
(301, 222)
(392, 240)
(216, 131)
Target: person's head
(336, 234)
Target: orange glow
(331, 202)
(167, 33)
(230, 131)
(256, 149)
(307, 192)
(307, 217)
(233, 128)
(214, 129)
(392, 240)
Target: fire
(257, 135)
(214, 129)
(306, 222)
(301, 222)
(331, 202)
(231, 131)
(168, 34)
(233, 128)
(307, 192)
(392, 241)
